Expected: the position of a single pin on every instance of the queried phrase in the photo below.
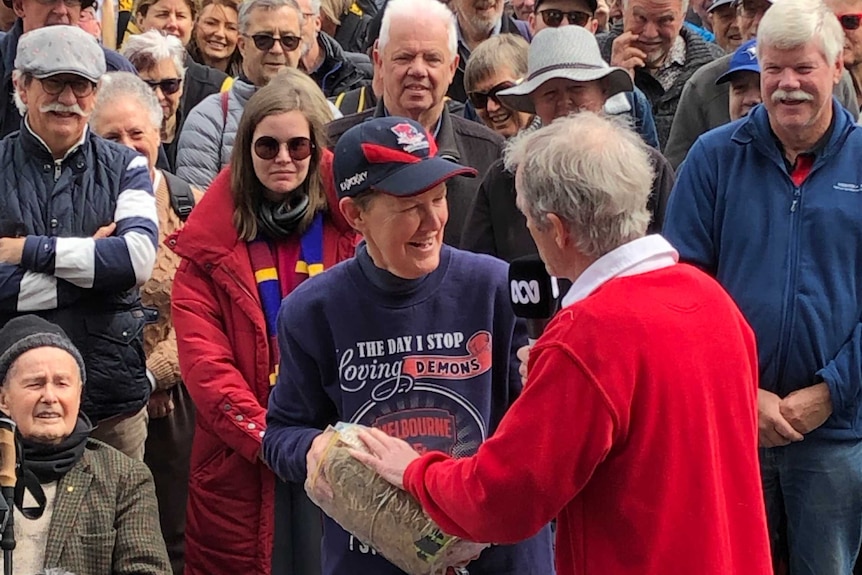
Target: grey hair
(425, 9)
(246, 8)
(146, 50)
(792, 23)
(315, 7)
(19, 77)
(593, 172)
(497, 53)
(684, 7)
(117, 85)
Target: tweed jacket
(106, 519)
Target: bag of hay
(381, 515)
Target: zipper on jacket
(789, 314)
(796, 196)
(58, 169)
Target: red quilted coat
(224, 359)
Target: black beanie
(27, 332)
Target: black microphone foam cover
(531, 288)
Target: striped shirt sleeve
(26, 291)
(117, 263)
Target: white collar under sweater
(642, 255)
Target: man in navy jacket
(772, 206)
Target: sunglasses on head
(480, 99)
(169, 86)
(265, 42)
(850, 21)
(267, 148)
(554, 18)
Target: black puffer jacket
(337, 73)
(99, 308)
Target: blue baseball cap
(392, 155)
(744, 59)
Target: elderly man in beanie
(78, 227)
(33, 15)
(415, 301)
(566, 76)
(81, 505)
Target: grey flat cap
(56, 50)
(568, 52)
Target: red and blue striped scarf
(262, 251)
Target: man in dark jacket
(324, 59)
(78, 228)
(566, 76)
(660, 54)
(414, 66)
(32, 15)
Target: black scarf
(45, 462)
(278, 220)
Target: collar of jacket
(35, 147)
(755, 129)
(507, 26)
(243, 90)
(447, 146)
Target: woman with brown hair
(215, 35)
(268, 222)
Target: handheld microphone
(533, 294)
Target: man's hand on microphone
(774, 429)
(524, 355)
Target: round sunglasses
(267, 148)
(554, 18)
(850, 21)
(169, 85)
(480, 99)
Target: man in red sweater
(637, 427)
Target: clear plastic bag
(381, 515)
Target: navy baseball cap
(392, 155)
(744, 59)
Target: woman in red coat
(266, 223)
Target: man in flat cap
(78, 227)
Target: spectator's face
(548, 15)
(726, 28)
(173, 17)
(42, 394)
(290, 134)
(852, 25)
(481, 14)
(523, 8)
(416, 67)
(310, 26)
(58, 107)
(560, 97)
(499, 118)
(404, 235)
(657, 24)
(744, 93)
(216, 32)
(88, 23)
(37, 14)
(124, 122)
(797, 88)
(261, 64)
(749, 13)
(163, 80)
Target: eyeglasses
(169, 86)
(480, 99)
(68, 3)
(850, 21)
(265, 42)
(267, 148)
(553, 17)
(81, 87)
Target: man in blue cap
(411, 336)
(743, 74)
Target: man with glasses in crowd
(725, 25)
(78, 228)
(849, 13)
(32, 15)
(270, 40)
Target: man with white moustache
(770, 206)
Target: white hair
(789, 24)
(315, 7)
(17, 77)
(419, 9)
(593, 172)
(246, 8)
(116, 85)
(146, 50)
(684, 6)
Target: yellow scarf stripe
(266, 274)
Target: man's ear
(4, 400)
(352, 213)
(561, 231)
(18, 8)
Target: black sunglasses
(480, 99)
(267, 148)
(553, 17)
(265, 42)
(81, 87)
(850, 21)
(168, 86)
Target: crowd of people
(228, 225)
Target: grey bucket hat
(568, 52)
